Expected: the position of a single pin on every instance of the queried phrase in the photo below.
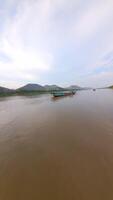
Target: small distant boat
(63, 93)
(94, 89)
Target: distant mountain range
(111, 87)
(4, 90)
(74, 87)
(31, 87)
(38, 88)
(52, 87)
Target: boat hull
(63, 94)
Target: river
(57, 149)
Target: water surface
(57, 149)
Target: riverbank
(24, 93)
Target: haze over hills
(39, 88)
(31, 87)
(5, 90)
(73, 87)
(52, 87)
(111, 86)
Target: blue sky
(56, 42)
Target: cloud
(102, 79)
(91, 19)
(38, 36)
(25, 61)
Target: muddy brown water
(57, 149)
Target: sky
(64, 42)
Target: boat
(94, 89)
(63, 93)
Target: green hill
(111, 87)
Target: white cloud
(103, 79)
(34, 32)
(91, 19)
(23, 57)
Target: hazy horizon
(62, 86)
(56, 42)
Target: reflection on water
(57, 149)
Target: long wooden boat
(63, 93)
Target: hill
(74, 87)
(4, 90)
(111, 87)
(31, 87)
(34, 88)
(52, 88)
